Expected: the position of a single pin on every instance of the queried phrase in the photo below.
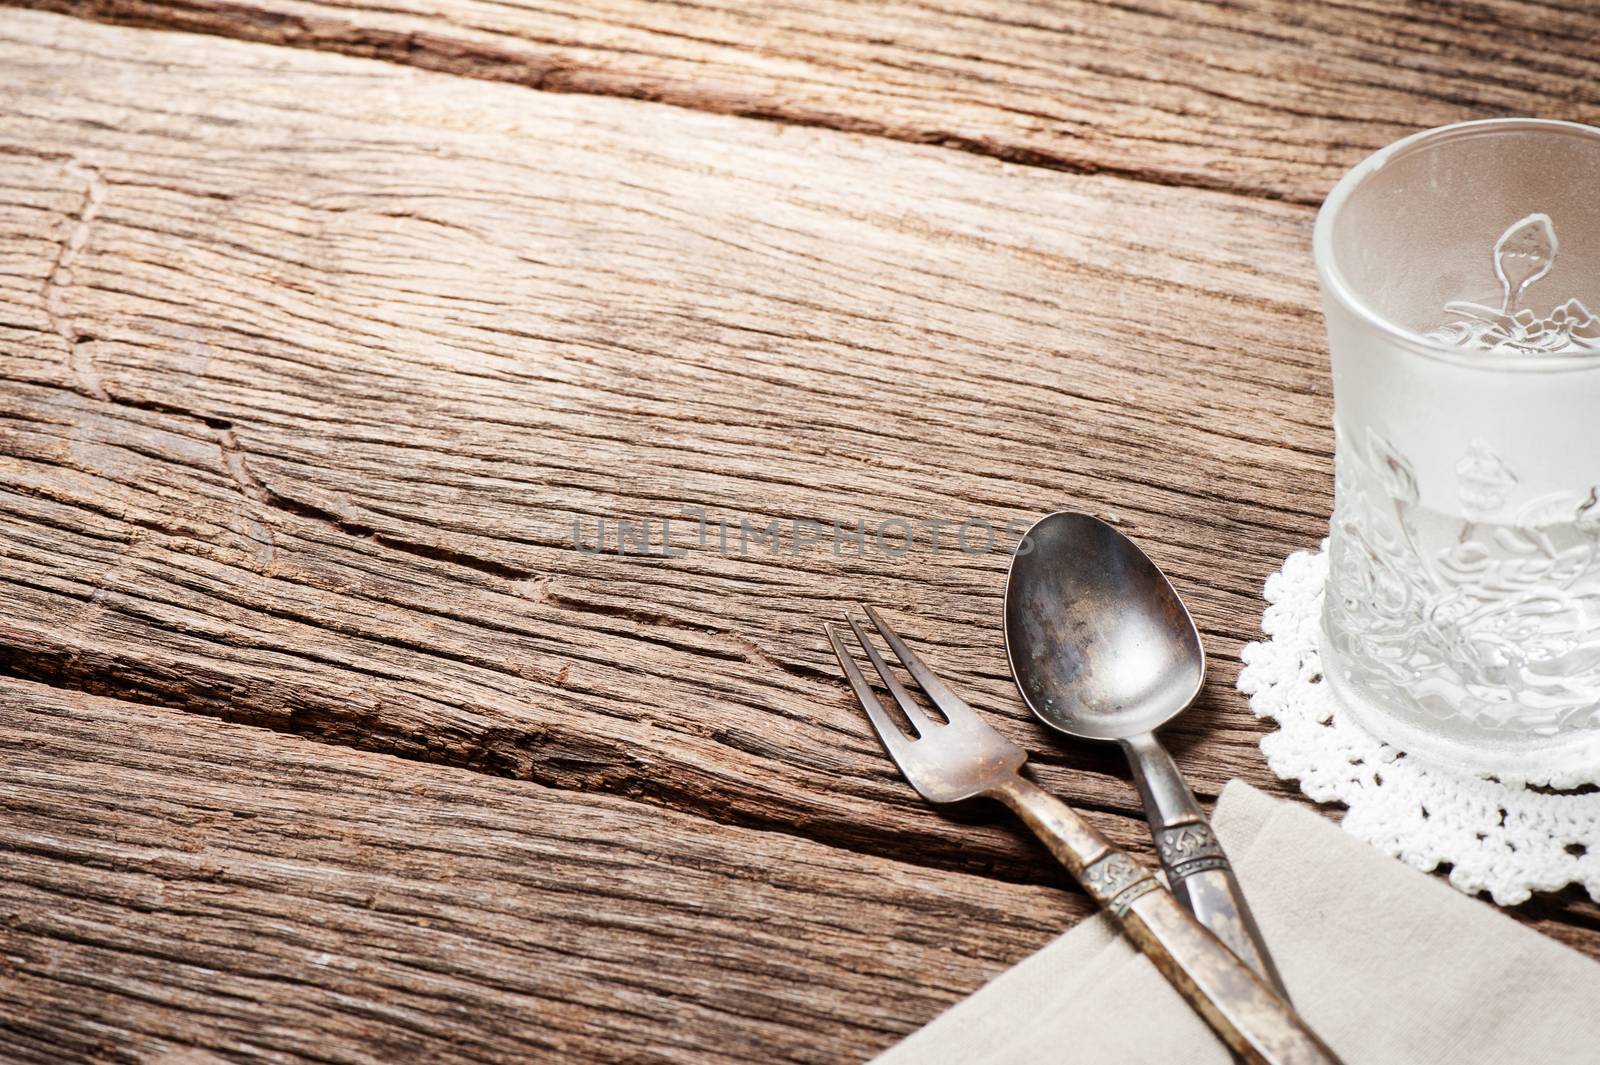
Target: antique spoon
(1102, 648)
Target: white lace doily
(1507, 839)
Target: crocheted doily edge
(1506, 839)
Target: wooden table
(326, 325)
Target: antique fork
(964, 758)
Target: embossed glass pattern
(1462, 615)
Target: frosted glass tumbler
(1461, 621)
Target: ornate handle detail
(1187, 849)
(1116, 880)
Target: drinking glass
(1461, 621)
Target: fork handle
(1256, 1023)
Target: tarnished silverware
(1102, 648)
(965, 758)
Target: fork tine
(908, 705)
(896, 742)
(948, 702)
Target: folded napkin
(1387, 964)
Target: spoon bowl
(1100, 644)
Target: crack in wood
(739, 647)
(233, 459)
(80, 362)
(1070, 89)
(236, 464)
(580, 764)
(461, 57)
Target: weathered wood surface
(171, 882)
(1262, 96)
(351, 416)
(309, 364)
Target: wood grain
(173, 882)
(357, 395)
(310, 364)
(1261, 96)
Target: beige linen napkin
(1388, 965)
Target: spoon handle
(1196, 867)
(1256, 1023)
